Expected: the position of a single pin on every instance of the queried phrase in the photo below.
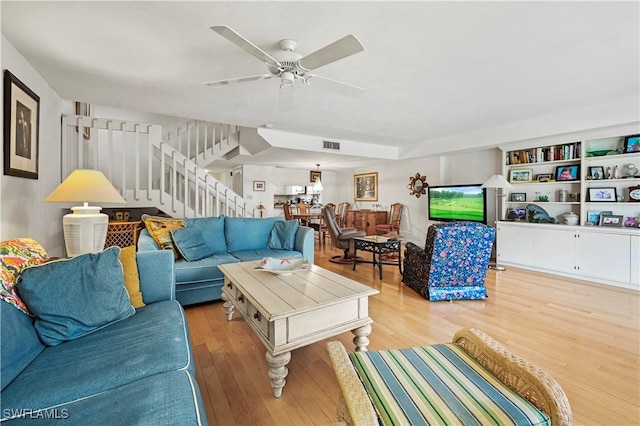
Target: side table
(383, 249)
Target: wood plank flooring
(586, 335)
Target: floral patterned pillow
(16, 255)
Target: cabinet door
(606, 256)
(555, 249)
(514, 244)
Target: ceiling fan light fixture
(287, 79)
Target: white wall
(22, 212)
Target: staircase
(150, 170)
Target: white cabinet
(593, 253)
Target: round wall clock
(634, 193)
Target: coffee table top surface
(278, 295)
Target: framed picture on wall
(365, 187)
(21, 124)
(259, 185)
(314, 174)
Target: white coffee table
(290, 311)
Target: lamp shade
(317, 185)
(497, 181)
(85, 230)
(85, 186)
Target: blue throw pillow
(283, 235)
(212, 229)
(71, 298)
(190, 243)
(245, 233)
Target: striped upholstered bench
(472, 381)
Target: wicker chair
(393, 225)
(342, 237)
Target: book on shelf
(569, 151)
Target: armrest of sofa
(304, 242)
(146, 242)
(157, 275)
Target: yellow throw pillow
(131, 278)
(160, 229)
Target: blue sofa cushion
(155, 340)
(212, 229)
(259, 254)
(283, 235)
(190, 243)
(71, 298)
(20, 343)
(247, 233)
(202, 270)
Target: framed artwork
(596, 173)
(259, 185)
(21, 124)
(611, 220)
(518, 197)
(606, 195)
(516, 214)
(567, 173)
(520, 175)
(631, 144)
(83, 108)
(365, 187)
(544, 177)
(313, 174)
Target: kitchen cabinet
(365, 220)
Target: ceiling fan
(287, 64)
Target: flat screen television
(448, 203)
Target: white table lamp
(85, 230)
(496, 182)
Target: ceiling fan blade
(239, 80)
(346, 46)
(245, 44)
(334, 85)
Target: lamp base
(85, 230)
(497, 267)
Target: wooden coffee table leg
(361, 340)
(228, 307)
(278, 371)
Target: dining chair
(393, 220)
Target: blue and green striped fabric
(439, 385)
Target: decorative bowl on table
(284, 266)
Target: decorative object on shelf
(365, 187)
(21, 124)
(417, 185)
(612, 220)
(570, 218)
(631, 144)
(629, 170)
(616, 172)
(574, 197)
(516, 214)
(261, 209)
(518, 197)
(537, 214)
(596, 173)
(634, 193)
(563, 195)
(542, 198)
(568, 173)
(498, 182)
(631, 222)
(606, 195)
(598, 153)
(122, 215)
(520, 175)
(85, 230)
(315, 177)
(259, 185)
(544, 177)
(609, 173)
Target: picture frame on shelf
(259, 185)
(567, 173)
(603, 195)
(631, 144)
(596, 173)
(516, 214)
(520, 175)
(21, 128)
(612, 220)
(518, 197)
(593, 216)
(365, 187)
(544, 177)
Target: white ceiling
(432, 71)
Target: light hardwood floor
(585, 335)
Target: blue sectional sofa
(135, 371)
(224, 240)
